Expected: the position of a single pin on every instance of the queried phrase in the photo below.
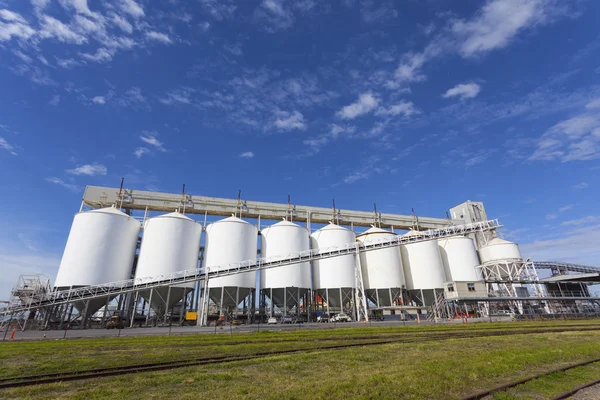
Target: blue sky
(407, 104)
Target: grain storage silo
(499, 250)
(383, 276)
(230, 241)
(287, 287)
(170, 243)
(333, 278)
(460, 259)
(100, 249)
(423, 265)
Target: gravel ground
(591, 393)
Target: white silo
(334, 278)
(170, 243)
(383, 276)
(423, 265)
(286, 286)
(229, 241)
(100, 249)
(460, 259)
(499, 250)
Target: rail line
(40, 379)
(502, 388)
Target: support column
(167, 306)
(135, 302)
(103, 320)
(149, 306)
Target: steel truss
(177, 278)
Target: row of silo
(102, 244)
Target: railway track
(502, 388)
(40, 379)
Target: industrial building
(155, 258)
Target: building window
(450, 288)
(471, 287)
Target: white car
(341, 317)
(272, 321)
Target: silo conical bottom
(337, 297)
(93, 306)
(229, 296)
(285, 298)
(158, 297)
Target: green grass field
(445, 369)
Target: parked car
(272, 321)
(341, 317)
(287, 320)
(323, 318)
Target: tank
(460, 259)
(279, 241)
(423, 265)
(100, 249)
(230, 240)
(499, 250)
(335, 272)
(334, 278)
(381, 268)
(170, 243)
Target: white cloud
(577, 246)
(55, 100)
(247, 155)
(140, 151)
(580, 186)
(102, 55)
(574, 139)
(288, 121)
(406, 108)
(13, 25)
(99, 100)
(57, 181)
(122, 23)
(53, 28)
(590, 219)
(366, 103)
(463, 90)
(67, 63)
(150, 138)
(39, 5)
(356, 176)
(276, 15)
(7, 146)
(181, 96)
(89, 170)
(497, 23)
(10, 16)
(566, 208)
(159, 37)
(132, 8)
(219, 9)
(492, 27)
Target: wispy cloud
(181, 95)
(573, 139)
(54, 100)
(140, 151)
(494, 26)
(151, 139)
(580, 186)
(366, 103)
(57, 181)
(246, 155)
(7, 146)
(288, 121)
(463, 90)
(89, 170)
(159, 37)
(99, 100)
(566, 208)
(405, 108)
